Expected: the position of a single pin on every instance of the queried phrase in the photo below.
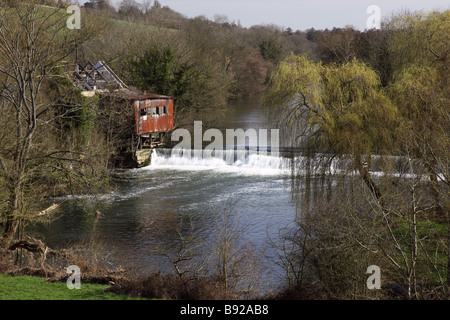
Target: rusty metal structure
(153, 113)
(95, 76)
(153, 116)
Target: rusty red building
(153, 113)
(154, 117)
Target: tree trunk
(12, 222)
(436, 194)
(365, 175)
(10, 231)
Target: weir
(231, 160)
(282, 161)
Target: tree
(33, 43)
(99, 4)
(184, 253)
(159, 71)
(338, 45)
(372, 47)
(342, 111)
(157, 4)
(129, 9)
(339, 109)
(420, 89)
(270, 50)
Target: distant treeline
(204, 63)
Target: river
(146, 211)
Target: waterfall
(229, 160)
(252, 162)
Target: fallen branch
(46, 211)
(39, 247)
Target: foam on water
(245, 162)
(226, 161)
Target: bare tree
(237, 262)
(34, 42)
(185, 253)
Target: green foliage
(160, 71)
(395, 103)
(420, 85)
(153, 71)
(74, 111)
(345, 104)
(419, 39)
(270, 50)
(420, 89)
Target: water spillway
(225, 161)
(254, 162)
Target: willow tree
(343, 110)
(340, 110)
(420, 89)
(420, 55)
(336, 113)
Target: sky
(297, 14)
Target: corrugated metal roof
(92, 77)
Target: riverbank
(50, 283)
(38, 288)
(34, 284)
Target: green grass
(425, 229)
(432, 237)
(35, 288)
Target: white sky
(297, 14)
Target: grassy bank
(37, 288)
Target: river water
(147, 211)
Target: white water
(240, 162)
(245, 162)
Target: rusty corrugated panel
(158, 115)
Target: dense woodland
(347, 93)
